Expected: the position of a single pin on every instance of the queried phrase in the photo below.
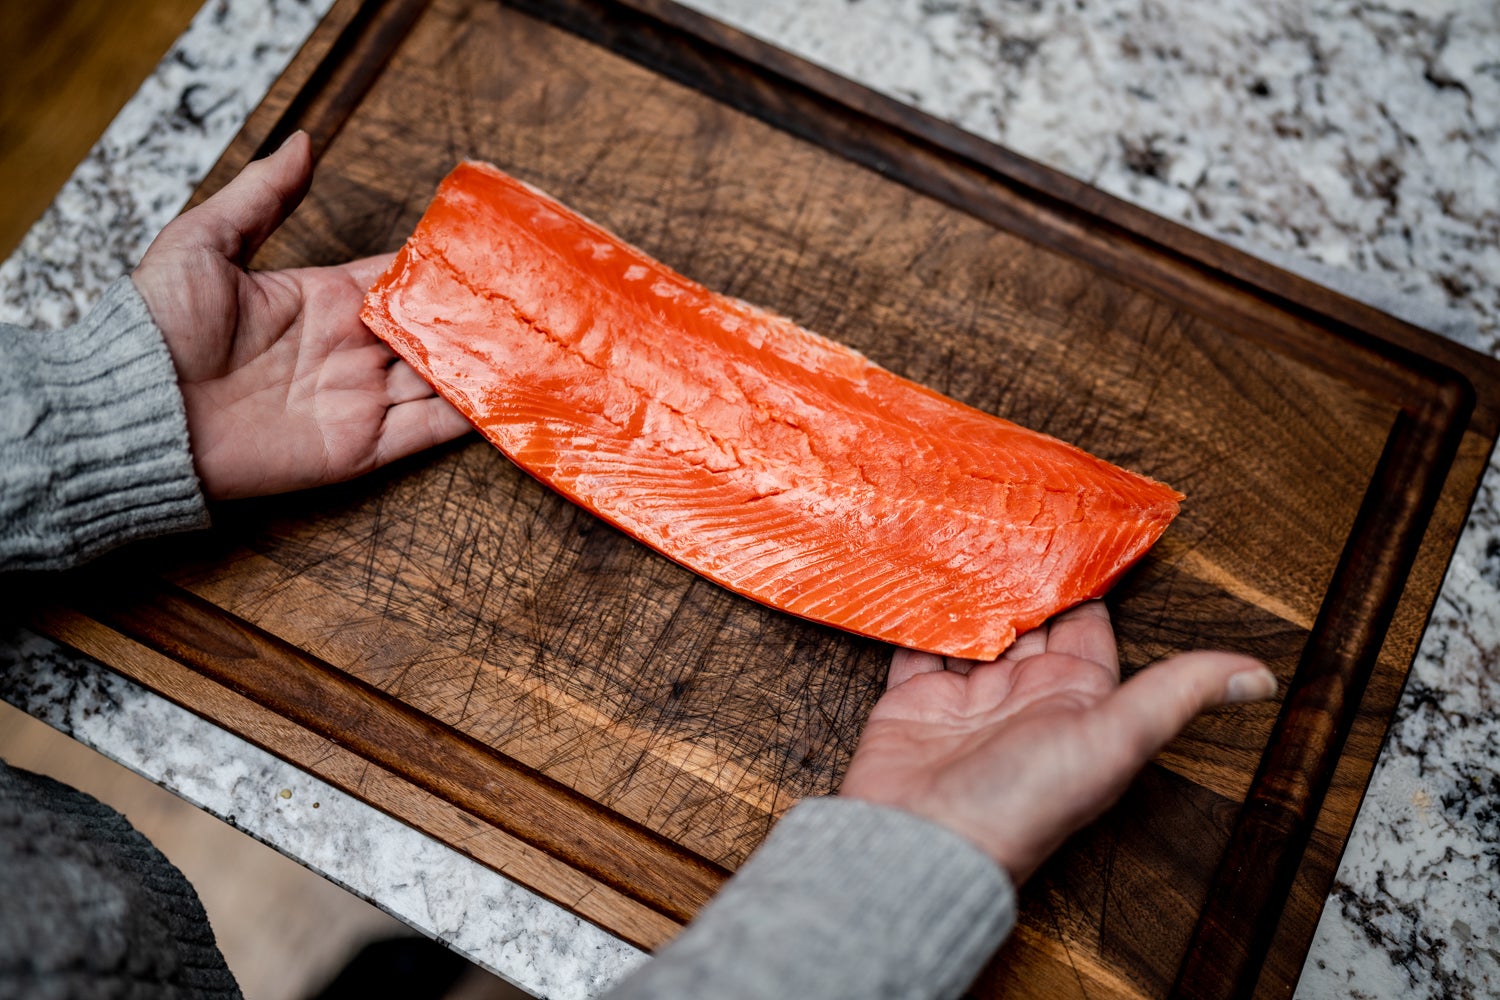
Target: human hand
(1019, 753)
(284, 386)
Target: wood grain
(486, 645)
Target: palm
(1019, 753)
(944, 718)
(283, 384)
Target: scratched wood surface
(460, 646)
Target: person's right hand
(1017, 754)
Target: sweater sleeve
(844, 899)
(93, 438)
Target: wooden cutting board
(458, 646)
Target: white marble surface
(1356, 142)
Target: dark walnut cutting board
(458, 646)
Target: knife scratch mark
(1062, 939)
(1108, 880)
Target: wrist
(1012, 858)
(108, 461)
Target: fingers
(1085, 632)
(957, 665)
(364, 271)
(411, 427)
(242, 215)
(1032, 642)
(403, 384)
(1153, 706)
(908, 663)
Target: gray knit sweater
(847, 900)
(844, 899)
(93, 438)
(93, 454)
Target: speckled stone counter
(1354, 142)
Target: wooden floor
(66, 68)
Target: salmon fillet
(771, 460)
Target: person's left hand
(1019, 753)
(285, 387)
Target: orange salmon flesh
(769, 459)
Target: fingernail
(1250, 685)
(288, 139)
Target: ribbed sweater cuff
(93, 438)
(844, 899)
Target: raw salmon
(771, 460)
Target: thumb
(236, 220)
(1159, 701)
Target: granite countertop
(1357, 143)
